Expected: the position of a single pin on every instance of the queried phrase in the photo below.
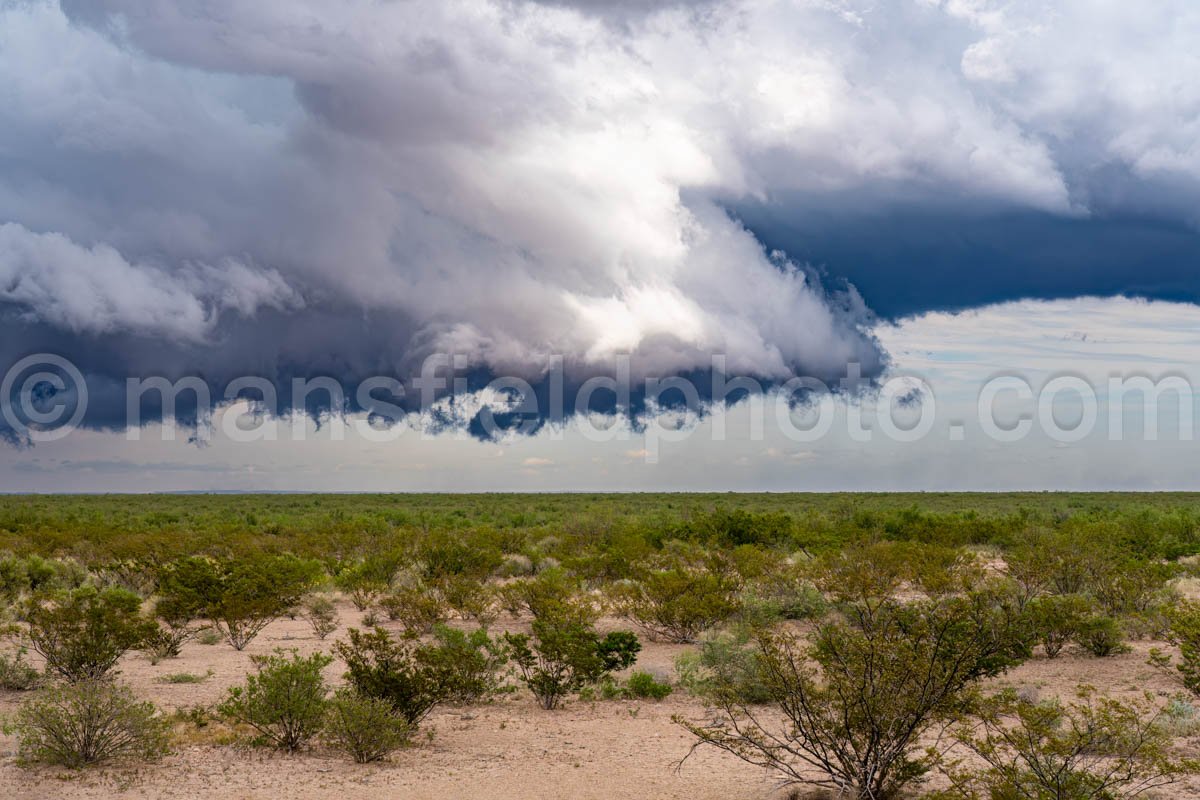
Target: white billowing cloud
(94, 290)
(1113, 80)
(511, 180)
(514, 179)
(824, 96)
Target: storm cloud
(306, 188)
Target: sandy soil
(506, 750)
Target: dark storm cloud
(294, 189)
(957, 261)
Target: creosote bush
(469, 598)
(178, 609)
(82, 633)
(678, 604)
(33, 574)
(515, 565)
(1058, 620)
(865, 575)
(1184, 633)
(366, 580)
(860, 694)
(1092, 748)
(564, 653)
(417, 607)
(135, 574)
(320, 613)
(390, 669)
(284, 700)
(241, 596)
(167, 642)
(466, 664)
(1132, 586)
(88, 722)
(16, 673)
(644, 685)
(366, 728)
(544, 594)
(1101, 636)
(782, 593)
(725, 666)
(416, 677)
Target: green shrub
(178, 608)
(40, 573)
(466, 553)
(321, 614)
(364, 581)
(743, 563)
(1065, 563)
(544, 594)
(467, 665)
(938, 570)
(198, 715)
(415, 677)
(515, 565)
(412, 677)
(415, 607)
(88, 722)
(1153, 623)
(241, 596)
(177, 678)
(866, 573)
(51, 574)
(724, 667)
(1058, 620)
(17, 674)
(862, 575)
(1094, 748)
(366, 728)
(82, 633)
(185, 589)
(1131, 586)
(857, 700)
(678, 604)
(1184, 633)
(13, 579)
(644, 685)
(732, 528)
(134, 574)
(469, 598)
(603, 560)
(607, 688)
(783, 594)
(284, 700)
(564, 654)
(1026, 577)
(209, 637)
(1101, 636)
(1180, 719)
(167, 642)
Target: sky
(528, 245)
